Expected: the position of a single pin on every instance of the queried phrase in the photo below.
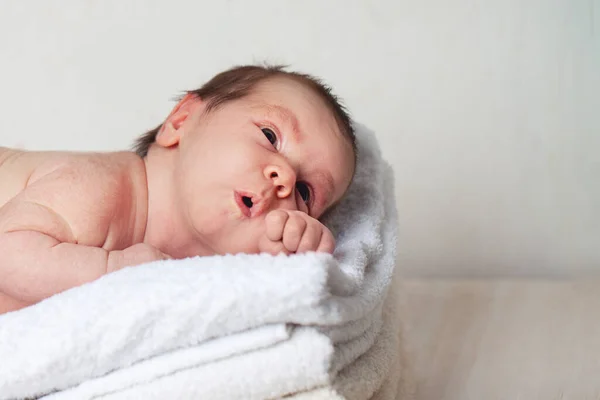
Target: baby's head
(251, 140)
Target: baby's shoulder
(105, 171)
(103, 166)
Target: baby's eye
(304, 191)
(270, 135)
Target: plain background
(489, 111)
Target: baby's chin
(236, 247)
(231, 232)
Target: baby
(247, 163)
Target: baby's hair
(238, 82)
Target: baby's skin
(254, 175)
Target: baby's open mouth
(244, 203)
(250, 204)
(247, 201)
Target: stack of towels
(310, 326)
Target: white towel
(380, 372)
(251, 326)
(375, 374)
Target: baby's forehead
(294, 102)
(277, 90)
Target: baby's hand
(139, 253)
(295, 232)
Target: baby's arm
(10, 304)
(35, 265)
(295, 232)
(68, 227)
(38, 258)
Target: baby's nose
(283, 178)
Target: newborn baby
(247, 163)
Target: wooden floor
(501, 339)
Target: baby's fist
(295, 232)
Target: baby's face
(278, 148)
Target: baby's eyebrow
(288, 117)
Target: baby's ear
(171, 131)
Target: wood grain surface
(503, 339)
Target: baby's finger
(275, 222)
(293, 231)
(311, 238)
(271, 247)
(327, 244)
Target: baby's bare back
(60, 211)
(94, 193)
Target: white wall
(488, 110)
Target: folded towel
(266, 373)
(251, 326)
(379, 373)
(298, 365)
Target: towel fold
(293, 365)
(237, 326)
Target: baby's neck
(166, 227)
